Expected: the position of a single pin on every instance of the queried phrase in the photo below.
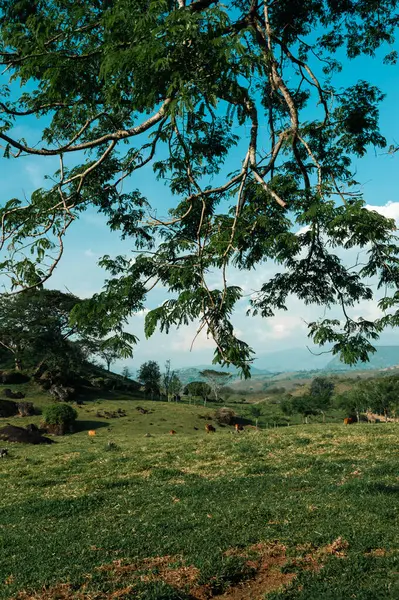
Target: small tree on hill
(305, 406)
(175, 386)
(353, 402)
(321, 392)
(256, 412)
(216, 380)
(150, 376)
(198, 389)
(126, 373)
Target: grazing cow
(172, 432)
(3, 452)
(348, 421)
(92, 433)
(238, 428)
(209, 428)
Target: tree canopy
(35, 325)
(176, 84)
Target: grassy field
(304, 512)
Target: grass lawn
(304, 512)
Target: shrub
(60, 418)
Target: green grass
(89, 514)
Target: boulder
(10, 433)
(25, 409)
(13, 377)
(8, 409)
(14, 395)
(62, 393)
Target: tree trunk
(358, 416)
(256, 423)
(18, 364)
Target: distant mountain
(385, 357)
(294, 359)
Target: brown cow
(92, 432)
(172, 432)
(238, 428)
(209, 428)
(348, 421)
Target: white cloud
(91, 254)
(390, 210)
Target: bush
(60, 418)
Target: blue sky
(89, 238)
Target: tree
(216, 380)
(305, 406)
(256, 412)
(175, 386)
(353, 402)
(108, 354)
(381, 395)
(321, 391)
(178, 92)
(198, 389)
(126, 373)
(167, 380)
(150, 376)
(35, 325)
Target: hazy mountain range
(296, 359)
(299, 359)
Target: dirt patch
(266, 561)
(269, 570)
(381, 553)
(10, 433)
(170, 569)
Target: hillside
(384, 358)
(153, 518)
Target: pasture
(305, 512)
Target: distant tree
(171, 385)
(198, 389)
(108, 354)
(287, 406)
(150, 376)
(126, 373)
(381, 395)
(175, 386)
(321, 392)
(305, 406)
(216, 380)
(226, 393)
(256, 412)
(353, 402)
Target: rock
(25, 409)
(32, 428)
(14, 395)
(10, 433)
(8, 409)
(13, 377)
(62, 393)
